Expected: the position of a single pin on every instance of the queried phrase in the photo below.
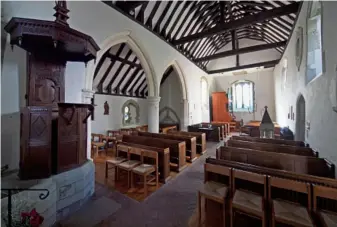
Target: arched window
(314, 41)
(204, 94)
(242, 96)
(130, 111)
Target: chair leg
(106, 169)
(231, 217)
(145, 186)
(129, 173)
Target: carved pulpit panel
(46, 82)
(35, 144)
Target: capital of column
(153, 99)
(87, 95)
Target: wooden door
(35, 144)
(219, 107)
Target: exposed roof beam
(250, 19)
(242, 51)
(166, 75)
(130, 80)
(259, 64)
(128, 5)
(124, 61)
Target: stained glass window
(204, 94)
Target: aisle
(172, 205)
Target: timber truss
(200, 29)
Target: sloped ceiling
(202, 32)
(120, 73)
(199, 29)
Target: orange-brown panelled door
(219, 105)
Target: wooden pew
(278, 148)
(225, 125)
(168, 128)
(200, 136)
(212, 132)
(191, 149)
(163, 156)
(177, 148)
(274, 141)
(288, 162)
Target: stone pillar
(87, 95)
(185, 120)
(153, 113)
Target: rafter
(242, 51)
(124, 61)
(132, 77)
(250, 19)
(259, 64)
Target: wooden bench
(295, 177)
(288, 162)
(167, 128)
(221, 126)
(177, 148)
(200, 136)
(163, 156)
(212, 132)
(226, 126)
(191, 149)
(278, 148)
(273, 141)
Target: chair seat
(128, 165)
(248, 200)
(144, 168)
(329, 219)
(214, 190)
(116, 160)
(291, 212)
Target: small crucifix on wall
(106, 108)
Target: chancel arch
(174, 95)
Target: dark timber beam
(266, 64)
(243, 51)
(166, 75)
(124, 61)
(128, 5)
(126, 73)
(130, 80)
(250, 19)
(135, 83)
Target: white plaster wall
(319, 94)
(264, 92)
(74, 82)
(245, 59)
(171, 95)
(114, 120)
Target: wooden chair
(130, 163)
(146, 170)
(111, 163)
(97, 144)
(325, 205)
(287, 199)
(249, 195)
(215, 191)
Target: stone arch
(300, 118)
(125, 37)
(132, 103)
(168, 119)
(181, 77)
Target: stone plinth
(68, 191)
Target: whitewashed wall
(171, 95)
(319, 94)
(114, 120)
(264, 92)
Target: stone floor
(172, 205)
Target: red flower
(34, 218)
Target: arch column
(185, 120)
(87, 95)
(153, 113)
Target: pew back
(288, 162)
(200, 138)
(273, 141)
(277, 148)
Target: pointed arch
(125, 37)
(181, 77)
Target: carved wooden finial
(61, 13)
